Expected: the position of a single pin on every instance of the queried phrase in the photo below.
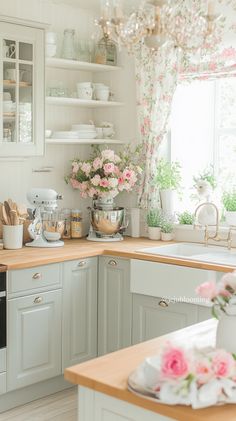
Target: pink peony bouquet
(196, 377)
(105, 173)
(222, 294)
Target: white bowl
(51, 50)
(52, 236)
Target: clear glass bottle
(68, 48)
(106, 52)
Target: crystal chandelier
(182, 23)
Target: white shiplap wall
(17, 177)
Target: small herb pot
(154, 233)
(166, 236)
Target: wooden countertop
(108, 374)
(79, 249)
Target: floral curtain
(157, 76)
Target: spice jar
(76, 223)
(67, 221)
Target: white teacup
(85, 93)
(102, 94)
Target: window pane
(227, 160)
(192, 132)
(227, 102)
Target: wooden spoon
(6, 221)
(8, 212)
(14, 217)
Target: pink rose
(96, 180)
(75, 167)
(229, 280)
(104, 182)
(109, 168)
(74, 183)
(203, 371)
(127, 174)
(121, 180)
(86, 168)
(108, 154)
(207, 290)
(223, 364)
(97, 163)
(92, 192)
(174, 363)
(83, 195)
(83, 186)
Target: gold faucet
(216, 236)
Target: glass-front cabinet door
(22, 90)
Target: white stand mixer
(43, 200)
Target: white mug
(102, 94)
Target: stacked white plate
(65, 135)
(84, 131)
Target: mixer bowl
(107, 222)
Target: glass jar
(76, 223)
(68, 49)
(67, 224)
(105, 52)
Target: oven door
(3, 320)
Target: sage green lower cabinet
(79, 338)
(154, 317)
(34, 339)
(114, 304)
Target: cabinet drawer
(3, 383)
(37, 278)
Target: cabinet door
(79, 311)
(151, 318)
(34, 339)
(114, 305)
(204, 313)
(21, 90)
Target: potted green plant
(229, 202)
(154, 221)
(184, 226)
(167, 230)
(168, 178)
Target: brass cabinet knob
(163, 303)
(81, 263)
(38, 300)
(112, 263)
(37, 275)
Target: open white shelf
(83, 141)
(76, 102)
(61, 63)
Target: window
(203, 132)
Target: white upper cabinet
(21, 90)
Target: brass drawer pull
(82, 263)
(163, 303)
(37, 275)
(38, 300)
(112, 263)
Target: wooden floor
(61, 406)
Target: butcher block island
(103, 391)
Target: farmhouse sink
(197, 252)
